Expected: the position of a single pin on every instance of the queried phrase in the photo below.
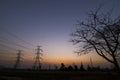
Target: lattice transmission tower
(38, 58)
(18, 59)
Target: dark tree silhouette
(56, 67)
(82, 67)
(100, 33)
(70, 68)
(88, 68)
(75, 67)
(62, 66)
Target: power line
(7, 48)
(3, 45)
(15, 36)
(6, 41)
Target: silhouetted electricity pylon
(18, 59)
(37, 63)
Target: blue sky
(47, 23)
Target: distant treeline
(63, 67)
(82, 68)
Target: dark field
(57, 75)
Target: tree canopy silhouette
(100, 33)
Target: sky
(25, 24)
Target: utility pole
(91, 62)
(18, 59)
(38, 58)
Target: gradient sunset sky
(25, 24)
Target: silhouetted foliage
(70, 68)
(75, 67)
(62, 67)
(49, 67)
(56, 67)
(97, 68)
(100, 33)
(2, 67)
(88, 68)
(82, 67)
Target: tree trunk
(116, 64)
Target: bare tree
(99, 33)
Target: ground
(57, 75)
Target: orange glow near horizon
(71, 59)
(57, 59)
